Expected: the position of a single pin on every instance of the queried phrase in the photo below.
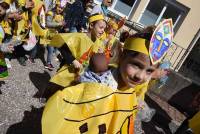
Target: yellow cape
(194, 123)
(79, 44)
(90, 108)
(36, 28)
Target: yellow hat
(137, 44)
(96, 17)
(113, 24)
(7, 1)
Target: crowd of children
(100, 79)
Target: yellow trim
(96, 17)
(137, 44)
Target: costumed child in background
(4, 47)
(112, 44)
(76, 49)
(54, 22)
(98, 71)
(96, 108)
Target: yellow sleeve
(141, 90)
(21, 2)
(194, 123)
(49, 13)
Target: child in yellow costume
(76, 49)
(4, 47)
(96, 108)
(54, 23)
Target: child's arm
(69, 58)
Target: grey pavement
(20, 97)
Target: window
(124, 6)
(157, 10)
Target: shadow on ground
(40, 81)
(187, 100)
(159, 124)
(1, 83)
(31, 123)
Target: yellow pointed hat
(137, 44)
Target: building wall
(186, 31)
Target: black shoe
(22, 61)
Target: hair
(4, 5)
(123, 36)
(98, 63)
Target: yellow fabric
(137, 44)
(92, 104)
(49, 13)
(58, 18)
(96, 17)
(6, 27)
(194, 123)
(7, 1)
(79, 44)
(141, 90)
(22, 25)
(37, 30)
(113, 24)
(21, 2)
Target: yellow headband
(113, 24)
(95, 18)
(137, 44)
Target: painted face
(98, 28)
(136, 69)
(161, 41)
(2, 11)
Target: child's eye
(150, 71)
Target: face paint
(161, 40)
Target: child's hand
(17, 16)
(29, 4)
(100, 50)
(77, 64)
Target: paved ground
(20, 109)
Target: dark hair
(123, 36)
(145, 33)
(98, 63)
(127, 53)
(4, 5)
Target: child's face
(107, 3)
(111, 31)
(136, 69)
(98, 28)
(59, 10)
(2, 11)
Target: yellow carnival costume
(194, 123)
(36, 18)
(81, 47)
(3, 66)
(89, 107)
(92, 108)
